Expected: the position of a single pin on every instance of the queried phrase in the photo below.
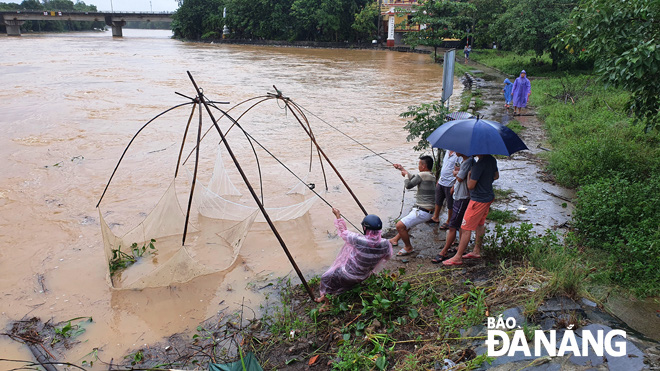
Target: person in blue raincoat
(522, 88)
(508, 87)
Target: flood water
(70, 104)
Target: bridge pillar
(13, 27)
(116, 28)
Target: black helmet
(372, 222)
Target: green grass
(376, 323)
(479, 103)
(503, 194)
(501, 216)
(515, 126)
(461, 69)
(567, 268)
(511, 63)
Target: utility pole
(111, 8)
(151, 7)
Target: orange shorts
(475, 215)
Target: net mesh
(222, 200)
(209, 248)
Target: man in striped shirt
(424, 202)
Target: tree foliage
(484, 16)
(313, 20)
(366, 21)
(438, 20)
(623, 39)
(197, 18)
(422, 121)
(532, 24)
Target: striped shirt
(425, 183)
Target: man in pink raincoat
(360, 256)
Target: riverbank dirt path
(527, 184)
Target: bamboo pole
(249, 186)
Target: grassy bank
(612, 163)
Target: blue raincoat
(508, 87)
(521, 89)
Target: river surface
(70, 103)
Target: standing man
(480, 183)
(467, 51)
(461, 195)
(443, 191)
(520, 93)
(424, 202)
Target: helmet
(372, 222)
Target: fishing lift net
(208, 251)
(221, 199)
(216, 223)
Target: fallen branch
(558, 196)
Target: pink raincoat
(358, 259)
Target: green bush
(622, 216)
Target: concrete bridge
(14, 19)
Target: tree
(484, 16)
(438, 20)
(532, 24)
(623, 39)
(196, 18)
(366, 21)
(260, 19)
(422, 121)
(317, 19)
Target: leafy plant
(502, 216)
(442, 20)
(136, 357)
(622, 39)
(423, 120)
(68, 330)
(121, 260)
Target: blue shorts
(458, 212)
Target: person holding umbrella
(461, 196)
(480, 183)
(424, 204)
(481, 138)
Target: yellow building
(394, 15)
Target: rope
(293, 173)
(346, 135)
(403, 197)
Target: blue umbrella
(476, 137)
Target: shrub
(622, 216)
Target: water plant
(122, 260)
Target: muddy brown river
(71, 102)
